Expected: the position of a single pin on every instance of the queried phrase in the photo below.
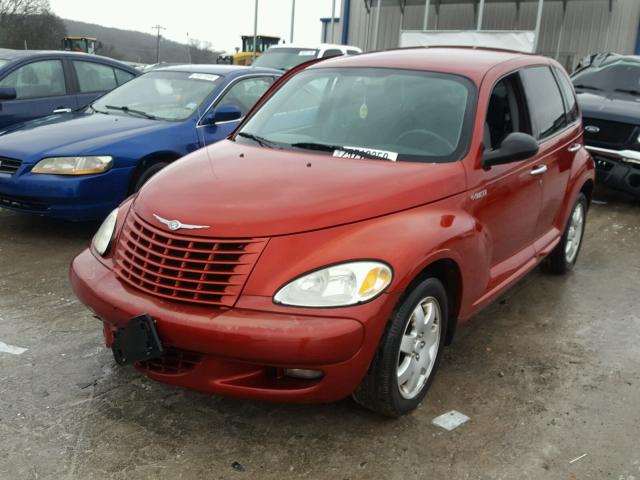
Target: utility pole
(158, 28)
(255, 32)
(293, 16)
(333, 20)
(189, 48)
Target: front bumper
(617, 169)
(83, 197)
(242, 351)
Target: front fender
(409, 241)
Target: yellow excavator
(245, 56)
(80, 44)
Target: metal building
(567, 30)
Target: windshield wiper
(263, 142)
(96, 110)
(587, 87)
(126, 109)
(627, 90)
(321, 147)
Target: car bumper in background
(83, 197)
(242, 351)
(617, 169)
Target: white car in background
(287, 56)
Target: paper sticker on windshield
(209, 77)
(359, 152)
(306, 53)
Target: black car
(38, 83)
(608, 89)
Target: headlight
(104, 235)
(337, 286)
(73, 165)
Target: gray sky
(219, 21)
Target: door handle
(62, 110)
(538, 170)
(575, 147)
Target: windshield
(285, 58)
(620, 76)
(375, 113)
(160, 95)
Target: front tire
(409, 353)
(563, 258)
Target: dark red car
(332, 245)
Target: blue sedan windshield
(160, 95)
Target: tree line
(32, 24)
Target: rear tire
(146, 175)
(563, 258)
(409, 353)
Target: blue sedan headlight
(74, 165)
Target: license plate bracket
(136, 342)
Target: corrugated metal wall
(589, 26)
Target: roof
(8, 54)
(470, 62)
(216, 69)
(314, 46)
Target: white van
(287, 56)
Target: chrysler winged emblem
(174, 225)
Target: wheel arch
(587, 190)
(149, 160)
(448, 271)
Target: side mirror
(223, 113)
(515, 147)
(8, 93)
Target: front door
(507, 199)
(41, 90)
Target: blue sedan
(80, 165)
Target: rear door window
(545, 101)
(569, 97)
(94, 77)
(43, 78)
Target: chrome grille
(184, 268)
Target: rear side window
(37, 79)
(545, 101)
(352, 52)
(569, 97)
(95, 77)
(333, 52)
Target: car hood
(244, 191)
(614, 106)
(72, 134)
